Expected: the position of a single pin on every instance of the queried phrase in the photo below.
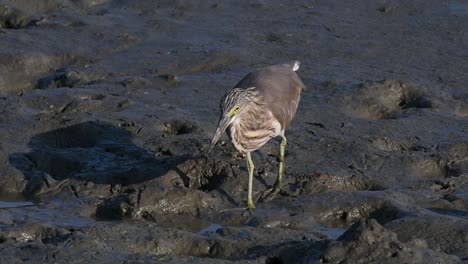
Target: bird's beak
(223, 124)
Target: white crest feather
(296, 65)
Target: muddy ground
(107, 109)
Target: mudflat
(107, 109)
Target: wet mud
(107, 109)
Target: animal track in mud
(205, 174)
(179, 127)
(386, 99)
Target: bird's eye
(234, 110)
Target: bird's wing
(280, 88)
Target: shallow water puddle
(55, 212)
(449, 212)
(14, 204)
(212, 228)
(330, 232)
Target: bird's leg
(281, 163)
(250, 203)
(277, 186)
(250, 169)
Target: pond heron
(258, 108)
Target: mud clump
(12, 18)
(205, 174)
(346, 214)
(369, 241)
(387, 99)
(462, 105)
(365, 241)
(152, 202)
(310, 184)
(183, 190)
(115, 208)
(439, 167)
(36, 232)
(61, 78)
(136, 82)
(447, 234)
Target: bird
(260, 107)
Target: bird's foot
(250, 204)
(237, 156)
(249, 209)
(245, 210)
(271, 193)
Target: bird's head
(233, 103)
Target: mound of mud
(386, 99)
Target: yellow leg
(250, 169)
(271, 193)
(281, 163)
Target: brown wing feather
(280, 88)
